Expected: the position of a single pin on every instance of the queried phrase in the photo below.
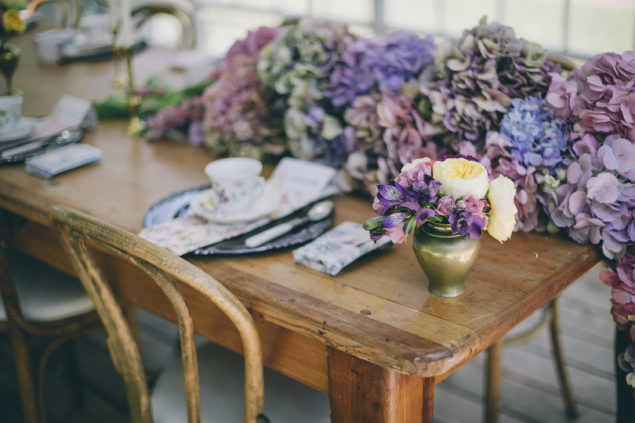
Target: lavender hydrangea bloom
(297, 66)
(480, 73)
(385, 61)
(537, 137)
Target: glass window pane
(464, 14)
(530, 21)
(411, 14)
(291, 7)
(344, 10)
(602, 25)
(219, 28)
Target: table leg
(625, 393)
(360, 391)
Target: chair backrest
(81, 235)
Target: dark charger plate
(177, 205)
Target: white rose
(502, 218)
(461, 177)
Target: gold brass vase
(445, 258)
(9, 57)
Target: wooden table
(372, 337)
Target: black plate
(97, 54)
(177, 205)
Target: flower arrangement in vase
(10, 24)
(447, 204)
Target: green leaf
(374, 223)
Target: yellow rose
(461, 177)
(502, 218)
(12, 21)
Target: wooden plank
(370, 394)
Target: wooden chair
(548, 317)
(181, 10)
(40, 301)
(86, 239)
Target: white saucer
(204, 204)
(26, 126)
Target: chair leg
(492, 382)
(563, 378)
(23, 366)
(73, 372)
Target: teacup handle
(259, 187)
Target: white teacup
(236, 182)
(10, 112)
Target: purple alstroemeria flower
(426, 190)
(467, 224)
(391, 195)
(394, 219)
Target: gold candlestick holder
(136, 125)
(120, 76)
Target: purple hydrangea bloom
(179, 118)
(597, 202)
(383, 62)
(479, 75)
(499, 160)
(599, 96)
(384, 132)
(242, 117)
(537, 137)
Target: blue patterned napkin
(337, 248)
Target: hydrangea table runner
(314, 90)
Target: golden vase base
(446, 259)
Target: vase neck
(439, 229)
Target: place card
(337, 248)
(300, 183)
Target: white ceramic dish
(204, 205)
(25, 127)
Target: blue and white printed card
(337, 248)
(62, 159)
